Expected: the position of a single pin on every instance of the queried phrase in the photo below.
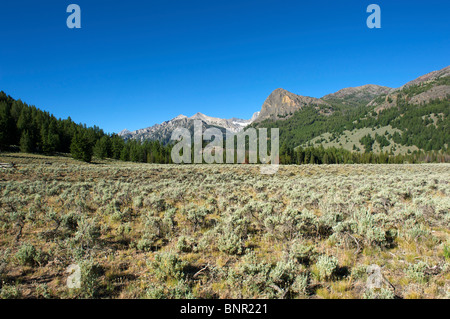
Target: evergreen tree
(4, 115)
(125, 153)
(81, 148)
(49, 139)
(117, 144)
(26, 144)
(101, 147)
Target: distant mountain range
(162, 132)
(288, 110)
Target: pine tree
(80, 148)
(49, 139)
(26, 144)
(117, 144)
(101, 147)
(125, 153)
(4, 114)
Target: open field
(222, 231)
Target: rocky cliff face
(282, 104)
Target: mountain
(282, 104)
(357, 95)
(233, 125)
(410, 123)
(163, 132)
(376, 118)
(243, 123)
(432, 76)
(411, 117)
(428, 87)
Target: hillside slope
(415, 117)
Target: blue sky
(137, 63)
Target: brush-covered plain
(222, 231)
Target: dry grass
(221, 231)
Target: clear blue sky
(137, 63)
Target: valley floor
(222, 231)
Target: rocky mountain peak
(282, 104)
(123, 132)
(180, 117)
(368, 91)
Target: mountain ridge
(163, 131)
(283, 108)
(357, 95)
(412, 117)
(434, 85)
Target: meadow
(222, 231)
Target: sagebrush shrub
(382, 293)
(180, 290)
(196, 216)
(88, 231)
(10, 292)
(230, 243)
(28, 255)
(90, 275)
(302, 252)
(326, 266)
(168, 265)
(185, 244)
(417, 272)
(300, 284)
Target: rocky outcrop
(437, 92)
(358, 95)
(429, 77)
(282, 104)
(424, 89)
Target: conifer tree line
(35, 131)
(333, 155)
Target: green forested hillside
(35, 131)
(426, 126)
